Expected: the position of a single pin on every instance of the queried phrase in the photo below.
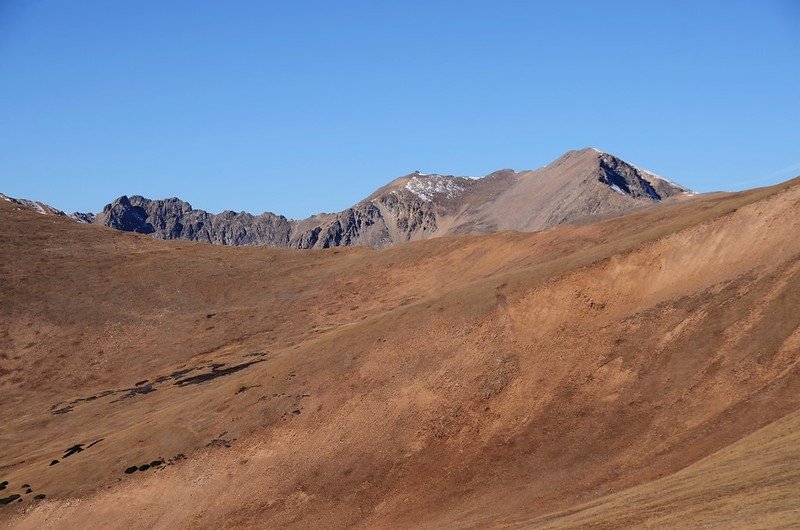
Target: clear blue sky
(299, 107)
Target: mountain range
(580, 184)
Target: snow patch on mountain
(618, 189)
(427, 186)
(659, 177)
(37, 206)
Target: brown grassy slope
(452, 382)
(753, 483)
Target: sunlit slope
(751, 483)
(462, 381)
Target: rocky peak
(625, 178)
(124, 215)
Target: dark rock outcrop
(378, 223)
(82, 217)
(176, 219)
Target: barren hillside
(640, 370)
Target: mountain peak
(608, 162)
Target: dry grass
(751, 483)
(466, 381)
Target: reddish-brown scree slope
(634, 371)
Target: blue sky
(300, 107)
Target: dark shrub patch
(144, 467)
(9, 499)
(131, 469)
(216, 371)
(69, 451)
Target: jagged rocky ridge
(415, 206)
